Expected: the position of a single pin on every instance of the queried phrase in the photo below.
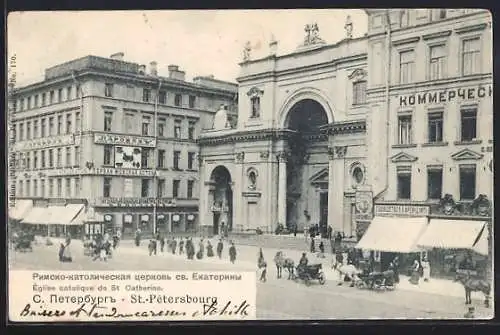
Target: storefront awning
(37, 215)
(388, 234)
(21, 209)
(455, 234)
(65, 215)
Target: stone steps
(285, 242)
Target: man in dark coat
(220, 247)
(232, 253)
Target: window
(162, 97)
(68, 92)
(51, 126)
(146, 95)
(44, 99)
(59, 95)
(160, 188)
(51, 97)
(144, 188)
(359, 93)
(28, 160)
(146, 121)
(177, 156)
(59, 124)
(29, 103)
(437, 66)
(177, 129)
(255, 101)
(468, 124)
(78, 121)
(178, 100)
(28, 187)
(35, 128)
(108, 90)
(21, 188)
(442, 13)
(406, 66)
(77, 186)
(69, 129)
(68, 156)
(190, 185)
(145, 158)
(129, 122)
(43, 159)
(51, 187)
(51, 158)
(161, 127)
(434, 182)
(59, 187)
(21, 131)
(435, 127)
(35, 100)
(59, 157)
(106, 189)
(35, 188)
(192, 101)
(78, 91)
(422, 13)
(28, 130)
(404, 182)
(175, 188)
(42, 188)
(404, 129)
(35, 160)
(77, 156)
(68, 187)
(107, 154)
(21, 104)
(470, 56)
(161, 159)
(467, 182)
(43, 128)
(191, 130)
(190, 160)
(108, 118)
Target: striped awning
(393, 234)
(20, 209)
(455, 234)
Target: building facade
(121, 140)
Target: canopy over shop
(56, 220)
(20, 209)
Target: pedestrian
(395, 268)
(415, 273)
(181, 246)
(263, 271)
(220, 247)
(321, 253)
(232, 253)
(162, 243)
(151, 247)
(295, 229)
(137, 237)
(329, 232)
(199, 254)
(210, 249)
(313, 244)
(306, 230)
(174, 245)
(426, 269)
(339, 260)
(190, 250)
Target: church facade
(298, 152)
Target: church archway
(222, 207)
(308, 153)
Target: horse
(474, 285)
(347, 270)
(282, 262)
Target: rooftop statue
(220, 119)
(246, 51)
(312, 34)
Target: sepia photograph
(299, 164)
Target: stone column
(282, 160)
(336, 187)
(239, 220)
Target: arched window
(359, 93)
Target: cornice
(247, 136)
(471, 28)
(439, 34)
(346, 127)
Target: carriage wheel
(322, 279)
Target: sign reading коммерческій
(402, 210)
(443, 96)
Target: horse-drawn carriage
(307, 273)
(375, 280)
(23, 242)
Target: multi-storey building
(430, 93)
(119, 141)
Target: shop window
(145, 188)
(406, 66)
(175, 188)
(405, 134)
(106, 191)
(359, 93)
(468, 124)
(434, 182)
(404, 182)
(467, 182)
(435, 127)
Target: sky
(201, 42)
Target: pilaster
(336, 187)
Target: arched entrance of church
(222, 207)
(307, 167)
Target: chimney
(142, 69)
(153, 69)
(175, 73)
(117, 56)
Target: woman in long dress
(415, 273)
(426, 269)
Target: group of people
(185, 245)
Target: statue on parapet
(220, 120)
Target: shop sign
(64, 172)
(218, 208)
(133, 202)
(401, 210)
(444, 96)
(114, 139)
(45, 142)
(364, 205)
(121, 172)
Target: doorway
(216, 223)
